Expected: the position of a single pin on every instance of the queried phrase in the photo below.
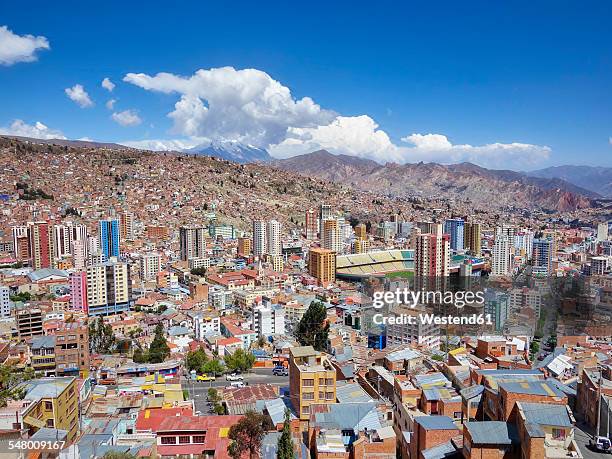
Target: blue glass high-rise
(109, 237)
(454, 228)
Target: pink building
(78, 288)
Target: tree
(214, 367)
(199, 271)
(240, 360)
(101, 337)
(195, 360)
(313, 329)
(118, 455)
(285, 442)
(158, 350)
(247, 435)
(139, 356)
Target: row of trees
(240, 360)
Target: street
(198, 390)
(582, 437)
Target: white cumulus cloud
(78, 95)
(250, 107)
(108, 84)
(228, 104)
(110, 104)
(127, 118)
(19, 48)
(38, 130)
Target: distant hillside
(69, 143)
(596, 179)
(459, 181)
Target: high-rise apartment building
(109, 288)
(523, 243)
(414, 331)
(322, 265)
(5, 302)
(150, 265)
(472, 238)
(602, 231)
(330, 236)
(78, 291)
(502, 255)
(41, 244)
(361, 246)
(108, 236)
(325, 212)
(361, 231)
(542, 257)
(456, 229)
(193, 241)
(312, 380)
(126, 225)
(259, 238)
(311, 225)
(244, 246)
(21, 246)
(432, 255)
(79, 254)
(273, 238)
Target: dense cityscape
(180, 305)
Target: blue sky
(502, 84)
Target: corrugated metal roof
(546, 414)
(440, 451)
(435, 422)
(351, 392)
(492, 433)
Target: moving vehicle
(234, 377)
(601, 444)
(205, 377)
(237, 384)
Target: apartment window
(321, 395)
(168, 440)
(48, 406)
(199, 438)
(308, 382)
(329, 395)
(306, 409)
(308, 396)
(321, 381)
(50, 423)
(184, 439)
(329, 382)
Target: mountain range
(465, 181)
(561, 188)
(596, 179)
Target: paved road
(198, 390)
(582, 436)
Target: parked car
(601, 444)
(234, 377)
(205, 377)
(280, 371)
(237, 384)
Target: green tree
(247, 435)
(214, 367)
(313, 329)
(158, 350)
(199, 271)
(118, 455)
(195, 360)
(285, 442)
(101, 337)
(213, 395)
(139, 356)
(240, 360)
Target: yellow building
(361, 246)
(472, 235)
(244, 246)
(322, 265)
(360, 231)
(312, 380)
(54, 403)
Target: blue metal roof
(546, 414)
(435, 422)
(492, 432)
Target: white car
(234, 377)
(237, 384)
